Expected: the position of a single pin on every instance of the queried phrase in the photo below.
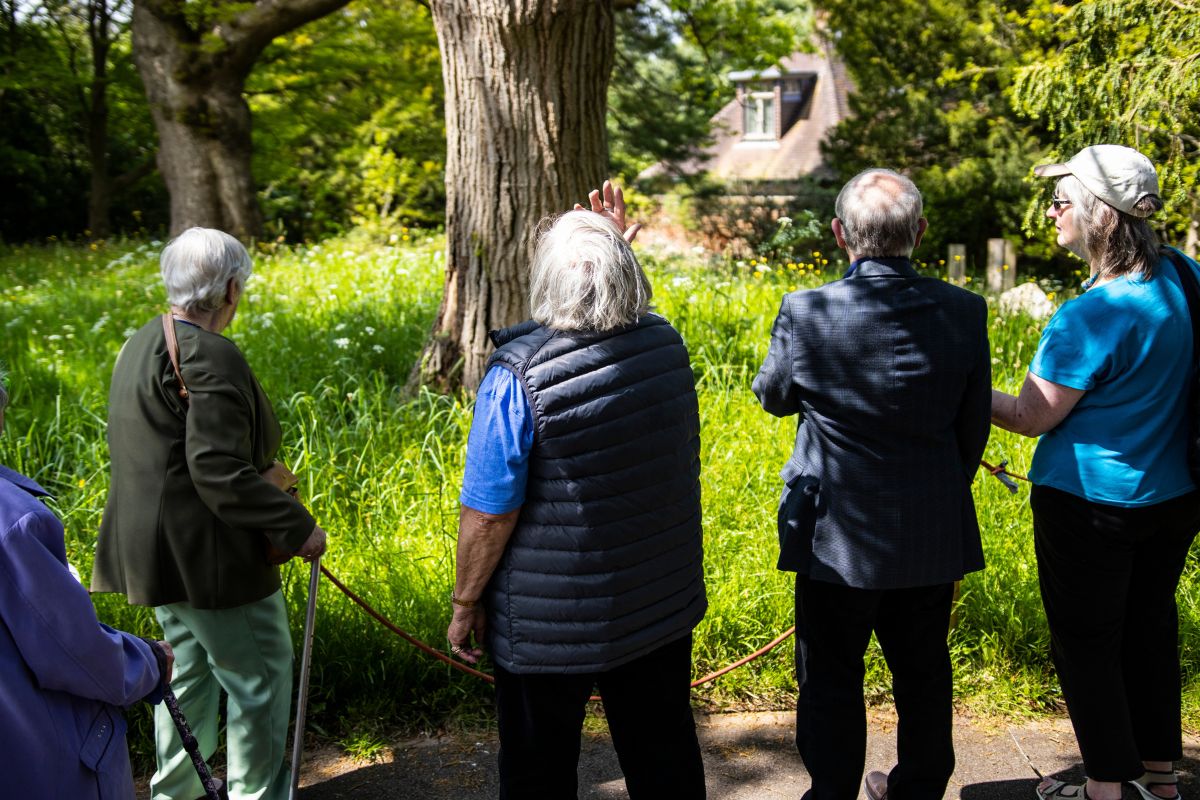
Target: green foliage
(45, 92)
(671, 65)
(794, 239)
(1125, 72)
(736, 225)
(349, 128)
(935, 108)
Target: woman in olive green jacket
(195, 499)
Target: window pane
(753, 121)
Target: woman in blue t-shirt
(1114, 507)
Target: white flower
(341, 326)
(369, 329)
(378, 348)
(342, 342)
(128, 332)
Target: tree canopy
(1124, 71)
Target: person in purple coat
(64, 676)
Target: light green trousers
(246, 651)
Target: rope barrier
(403, 634)
(461, 667)
(1000, 472)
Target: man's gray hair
(197, 266)
(585, 276)
(880, 212)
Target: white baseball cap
(1118, 175)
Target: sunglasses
(1059, 203)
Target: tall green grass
(332, 331)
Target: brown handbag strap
(168, 323)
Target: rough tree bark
(99, 201)
(526, 82)
(194, 67)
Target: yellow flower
(81, 483)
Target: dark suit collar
(881, 268)
(17, 479)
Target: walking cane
(310, 621)
(214, 788)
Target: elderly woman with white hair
(196, 520)
(579, 553)
(1115, 509)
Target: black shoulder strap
(1191, 290)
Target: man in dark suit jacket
(889, 373)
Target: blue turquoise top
(1128, 344)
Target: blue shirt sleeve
(497, 464)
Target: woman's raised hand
(609, 202)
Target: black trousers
(1108, 577)
(648, 705)
(833, 629)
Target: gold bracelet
(463, 603)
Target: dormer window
(759, 115)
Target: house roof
(797, 153)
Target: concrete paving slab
(746, 755)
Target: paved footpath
(746, 756)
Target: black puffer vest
(606, 561)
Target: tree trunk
(100, 198)
(526, 84)
(203, 125)
(195, 73)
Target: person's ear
(838, 232)
(922, 226)
(233, 291)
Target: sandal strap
(1154, 777)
